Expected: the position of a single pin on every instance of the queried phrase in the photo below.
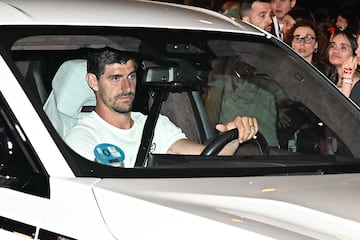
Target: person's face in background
(288, 22)
(281, 7)
(341, 22)
(261, 15)
(304, 42)
(339, 50)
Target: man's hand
(247, 127)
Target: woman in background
(307, 39)
(342, 55)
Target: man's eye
(132, 76)
(115, 78)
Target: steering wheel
(219, 142)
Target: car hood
(275, 207)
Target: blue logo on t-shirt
(109, 154)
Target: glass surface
(222, 75)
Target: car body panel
(22, 207)
(288, 203)
(133, 12)
(70, 201)
(248, 200)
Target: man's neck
(119, 120)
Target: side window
(239, 89)
(20, 168)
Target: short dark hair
(300, 13)
(350, 12)
(246, 6)
(97, 59)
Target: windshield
(196, 79)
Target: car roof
(132, 13)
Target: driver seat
(71, 98)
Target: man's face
(261, 15)
(116, 87)
(281, 7)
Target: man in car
(114, 130)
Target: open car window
(210, 78)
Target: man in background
(257, 12)
(280, 8)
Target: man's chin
(123, 109)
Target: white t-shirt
(97, 140)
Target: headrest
(70, 88)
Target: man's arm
(247, 127)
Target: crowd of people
(331, 45)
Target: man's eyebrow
(132, 72)
(263, 12)
(121, 75)
(117, 74)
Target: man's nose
(268, 20)
(125, 84)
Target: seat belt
(149, 127)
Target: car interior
(174, 80)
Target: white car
(306, 185)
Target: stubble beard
(123, 107)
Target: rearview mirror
(161, 75)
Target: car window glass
(241, 83)
(222, 75)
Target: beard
(124, 107)
(121, 109)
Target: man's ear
(246, 19)
(91, 80)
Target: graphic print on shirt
(109, 154)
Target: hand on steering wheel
(218, 143)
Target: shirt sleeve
(166, 134)
(82, 141)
